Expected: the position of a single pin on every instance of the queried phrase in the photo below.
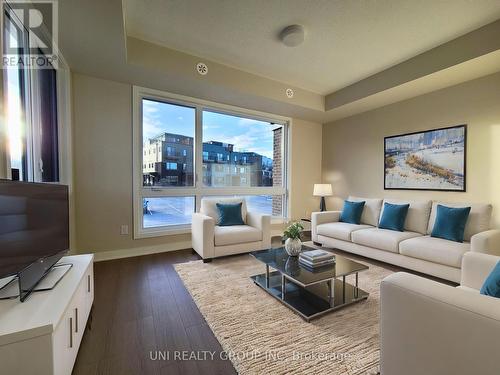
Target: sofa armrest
(262, 222)
(486, 242)
(431, 328)
(318, 218)
(475, 268)
(202, 235)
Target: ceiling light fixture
(292, 35)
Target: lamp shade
(322, 190)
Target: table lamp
(322, 190)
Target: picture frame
(432, 160)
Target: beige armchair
(211, 241)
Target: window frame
(197, 190)
(31, 101)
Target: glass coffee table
(308, 293)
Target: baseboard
(127, 253)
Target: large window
(186, 149)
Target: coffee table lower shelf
(312, 301)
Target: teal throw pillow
(352, 212)
(230, 214)
(450, 223)
(491, 286)
(394, 216)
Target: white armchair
(431, 328)
(211, 241)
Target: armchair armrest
(202, 235)
(430, 328)
(262, 222)
(475, 268)
(486, 242)
(318, 218)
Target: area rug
(262, 336)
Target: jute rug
(262, 336)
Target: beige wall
(353, 147)
(305, 167)
(102, 121)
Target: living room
(253, 187)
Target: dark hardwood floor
(141, 306)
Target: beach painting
(428, 160)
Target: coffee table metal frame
(310, 300)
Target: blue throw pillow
(351, 212)
(394, 216)
(230, 214)
(450, 223)
(491, 286)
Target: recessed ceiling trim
(467, 47)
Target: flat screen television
(34, 230)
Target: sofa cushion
(435, 250)
(417, 219)
(382, 239)
(340, 231)
(236, 234)
(479, 217)
(209, 207)
(371, 212)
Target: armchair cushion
(236, 234)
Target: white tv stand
(41, 336)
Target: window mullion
(198, 155)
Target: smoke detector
(292, 35)
(202, 68)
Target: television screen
(34, 227)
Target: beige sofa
(430, 328)
(211, 241)
(414, 248)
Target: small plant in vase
(293, 244)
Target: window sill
(160, 232)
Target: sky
(245, 134)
